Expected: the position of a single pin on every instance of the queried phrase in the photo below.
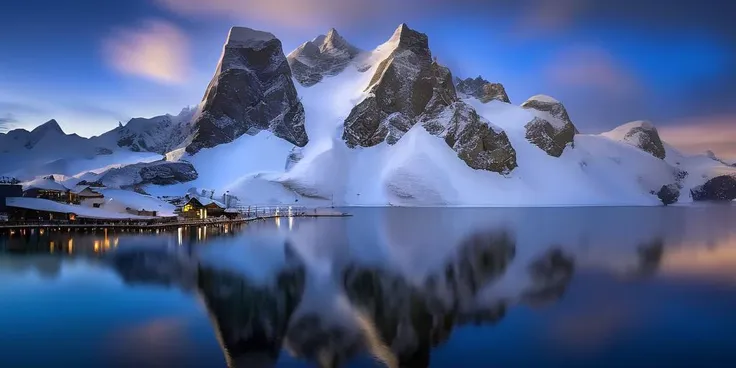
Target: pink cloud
(699, 134)
(156, 50)
(591, 67)
(293, 13)
(549, 15)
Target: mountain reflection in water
(394, 284)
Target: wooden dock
(167, 225)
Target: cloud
(156, 50)
(699, 134)
(591, 67)
(6, 121)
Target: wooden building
(202, 208)
(88, 196)
(48, 188)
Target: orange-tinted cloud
(156, 50)
(591, 67)
(699, 134)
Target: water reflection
(393, 285)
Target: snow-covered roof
(77, 189)
(45, 184)
(207, 201)
(38, 204)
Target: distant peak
(243, 36)
(408, 38)
(49, 126)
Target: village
(46, 202)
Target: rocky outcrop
(551, 129)
(719, 188)
(409, 87)
(252, 90)
(669, 194)
(482, 89)
(157, 173)
(642, 135)
(477, 142)
(326, 55)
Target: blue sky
(90, 64)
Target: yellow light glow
(70, 246)
(51, 247)
(97, 246)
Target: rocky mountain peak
(247, 37)
(325, 55)
(48, 127)
(409, 39)
(252, 90)
(408, 87)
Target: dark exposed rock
(551, 129)
(409, 87)
(403, 83)
(669, 194)
(720, 188)
(643, 135)
(157, 173)
(326, 55)
(252, 90)
(477, 142)
(482, 89)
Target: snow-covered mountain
(331, 124)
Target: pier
(246, 215)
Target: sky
(91, 64)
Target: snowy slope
(621, 167)
(421, 170)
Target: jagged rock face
(551, 129)
(251, 91)
(408, 87)
(669, 194)
(403, 83)
(324, 56)
(483, 90)
(159, 134)
(477, 142)
(157, 173)
(720, 188)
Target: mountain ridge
(392, 126)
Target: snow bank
(38, 204)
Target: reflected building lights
(70, 246)
(179, 235)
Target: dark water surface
(583, 287)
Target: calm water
(611, 287)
